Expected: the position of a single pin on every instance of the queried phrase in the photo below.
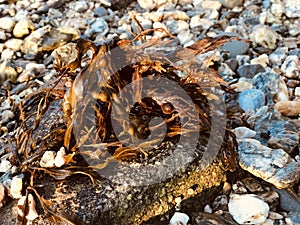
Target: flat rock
(47, 39)
(236, 47)
(272, 165)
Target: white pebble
(207, 209)
(7, 23)
(263, 60)
(31, 213)
(5, 165)
(244, 132)
(16, 187)
(59, 158)
(48, 159)
(297, 91)
(179, 218)
(291, 66)
(248, 209)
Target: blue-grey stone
(293, 218)
(101, 11)
(235, 48)
(249, 71)
(272, 165)
(274, 130)
(251, 100)
(268, 83)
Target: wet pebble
(30, 203)
(22, 28)
(251, 100)
(248, 209)
(272, 165)
(249, 71)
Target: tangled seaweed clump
(130, 102)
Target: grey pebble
(293, 218)
(235, 48)
(249, 71)
(251, 100)
(100, 11)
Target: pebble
(288, 108)
(7, 116)
(264, 36)
(297, 91)
(244, 132)
(31, 213)
(270, 197)
(79, 6)
(2, 36)
(253, 185)
(268, 83)
(293, 218)
(207, 209)
(282, 93)
(197, 21)
(236, 47)
(242, 85)
(149, 5)
(179, 218)
(47, 39)
(278, 55)
(263, 60)
(272, 165)
(249, 71)
(291, 67)
(251, 100)
(99, 26)
(7, 54)
(100, 11)
(248, 209)
(48, 159)
(59, 160)
(292, 8)
(286, 140)
(231, 3)
(2, 195)
(23, 28)
(212, 5)
(7, 73)
(175, 27)
(7, 23)
(217, 218)
(16, 187)
(31, 70)
(14, 44)
(5, 165)
(289, 201)
(184, 37)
